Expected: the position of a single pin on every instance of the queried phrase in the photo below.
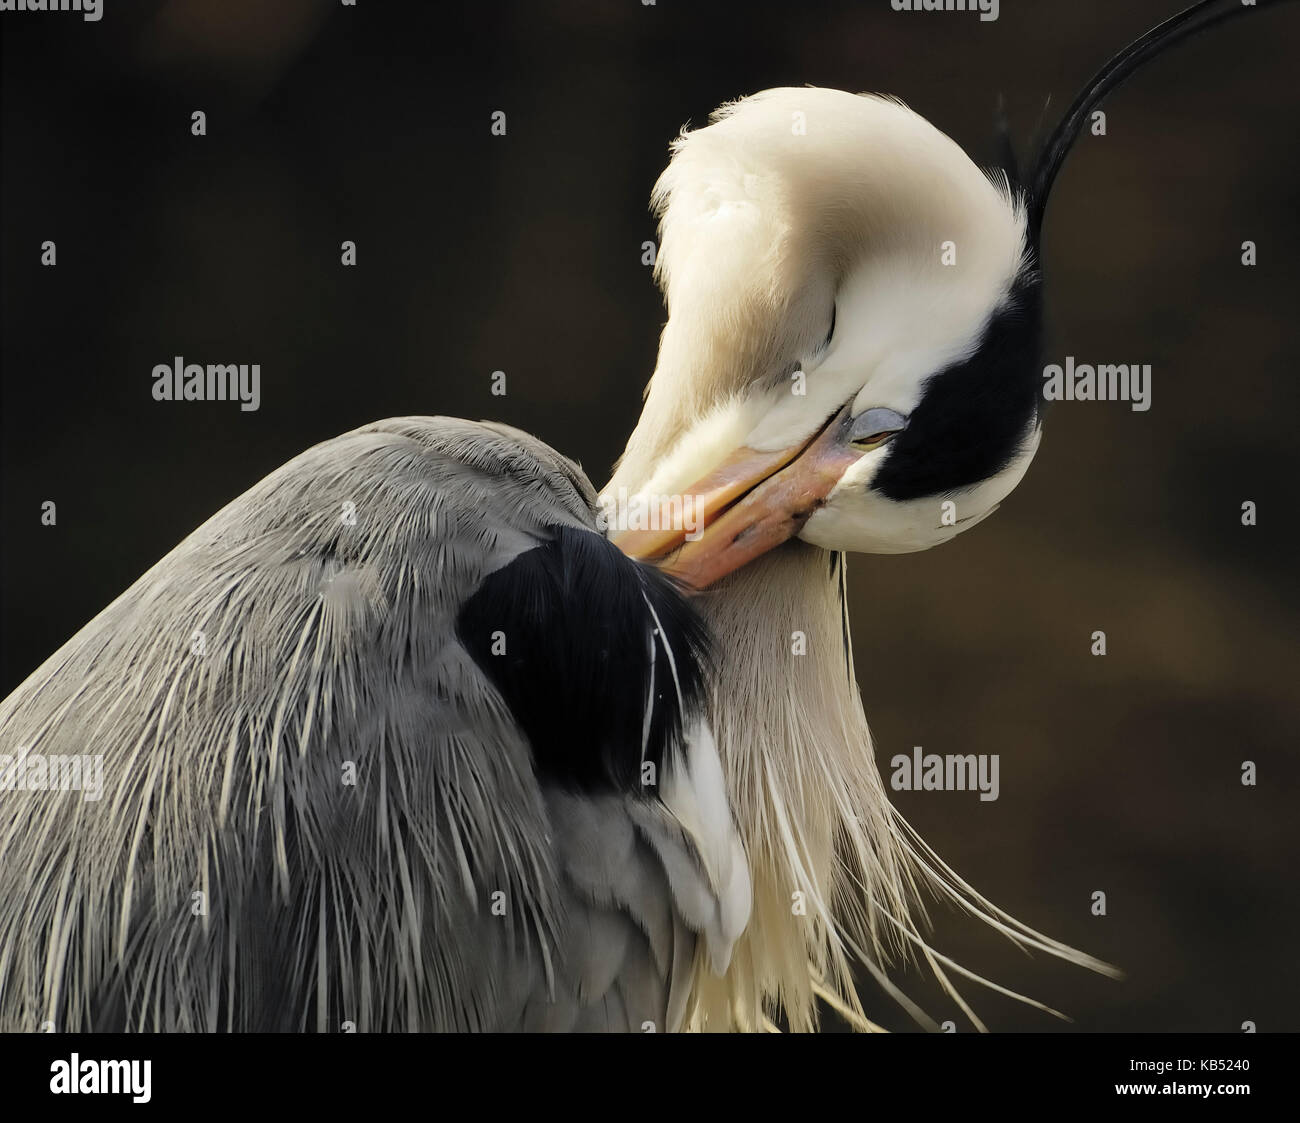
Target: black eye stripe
(973, 418)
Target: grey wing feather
(316, 809)
(624, 936)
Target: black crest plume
(1186, 23)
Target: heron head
(852, 351)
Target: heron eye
(873, 441)
(874, 427)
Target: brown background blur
(523, 253)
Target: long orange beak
(752, 502)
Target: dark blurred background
(522, 253)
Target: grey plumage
(497, 862)
(306, 630)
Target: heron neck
(794, 743)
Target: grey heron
(400, 738)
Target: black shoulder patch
(577, 637)
(973, 417)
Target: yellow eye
(874, 427)
(873, 441)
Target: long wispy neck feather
(838, 875)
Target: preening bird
(421, 733)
